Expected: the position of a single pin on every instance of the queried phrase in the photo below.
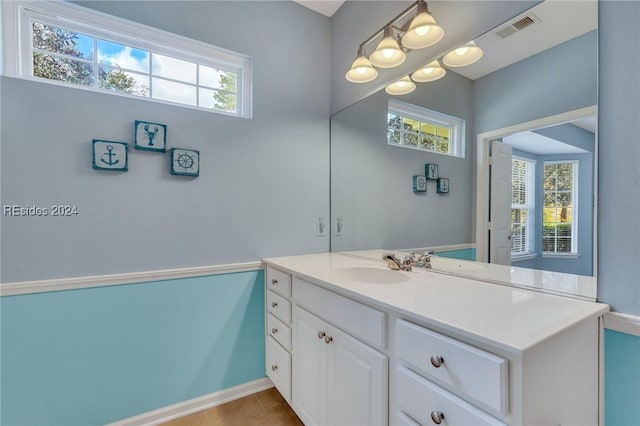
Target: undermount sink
(369, 275)
(448, 264)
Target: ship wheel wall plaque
(185, 162)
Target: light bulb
(463, 55)
(430, 72)
(422, 30)
(361, 70)
(401, 87)
(388, 53)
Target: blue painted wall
(463, 254)
(622, 379)
(94, 356)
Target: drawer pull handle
(321, 334)
(437, 417)
(437, 361)
(274, 330)
(274, 304)
(328, 339)
(274, 281)
(274, 367)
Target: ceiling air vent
(516, 26)
(523, 23)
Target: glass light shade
(431, 72)
(401, 87)
(423, 31)
(463, 56)
(388, 53)
(361, 70)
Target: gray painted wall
(371, 181)
(263, 182)
(557, 80)
(355, 21)
(619, 154)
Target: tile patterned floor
(266, 408)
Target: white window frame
(457, 125)
(574, 211)
(16, 46)
(530, 207)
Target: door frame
(482, 173)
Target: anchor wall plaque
(109, 155)
(150, 136)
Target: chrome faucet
(421, 261)
(394, 263)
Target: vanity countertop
(513, 318)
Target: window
(522, 206)
(68, 45)
(411, 126)
(560, 211)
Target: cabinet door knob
(437, 417)
(437, 361)
(328, 339)
(274, 367)
(321, 334)
(274, 330)
(274, 281)
(274, 304)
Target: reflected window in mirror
(412, 126)
(560, 211)
(522, 207)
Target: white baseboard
(623, 323)
(184, 408)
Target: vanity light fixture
(388, 53)
(430, 72)
(401, 87)
(400, 35)
(361, 70)
(463, 55)
(423, 30)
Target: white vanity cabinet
(337, 380)
(431, 349)
(278, 330)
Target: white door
(500, 204)
(309, 371)
(357, 382)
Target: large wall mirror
(532, 96)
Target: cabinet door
(309, 375)
(357, 382)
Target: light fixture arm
(420, 5)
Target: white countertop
(511, 318)
(579, 286)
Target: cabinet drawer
(279, 281)
(279, 367)
(279, 331)
(403, 420)
(279, 306)
(468, 370)
(361, 321)
(421, 400)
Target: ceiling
(325, 7)
(554, 22)
(540, 145)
